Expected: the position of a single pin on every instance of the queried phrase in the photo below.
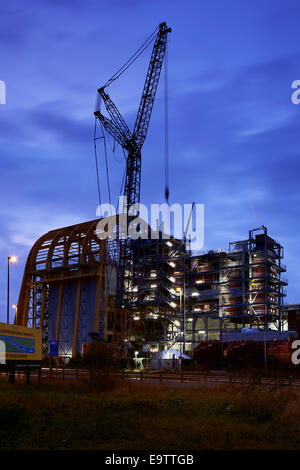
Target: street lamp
(180, 291)
(16, 309)
(10, 259)
(136, 359)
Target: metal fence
(158, 377)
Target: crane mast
(132, 143)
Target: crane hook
(167, 193)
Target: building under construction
(234, 289)
(147, 293)
(181, 298)
(63, 287)
(173, 299)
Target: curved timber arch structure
(64, 287)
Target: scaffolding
(230, 290)
(154, 300)
(173, 299)
(177, 299)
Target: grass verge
(104, 413)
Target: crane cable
(114, 77)
(106, 166)
(132, 59)
(109, 274)
(96, 162)
(124, 158)
(166, 112)
(122, 186)
(113, 148)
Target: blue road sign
(53, 346)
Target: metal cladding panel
(67, 320)
(68, 311)
(87, 310)
(111, 279)
(52, 310)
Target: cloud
(233, 132)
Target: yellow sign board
(19, 343)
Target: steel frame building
(154, 300)
(209, 293)
(65, 267)
(174, 299)
(241, 287)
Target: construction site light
(195, 294)
(171, 263)
(172, 279)
(173, 304)
(169, 244)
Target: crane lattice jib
(133, 168)
(150, 87)
(133, 143)
(116, 126)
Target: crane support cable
(106, 164)
(189, 221)
(167, 190)
(113, 148)
(132, 142)
(131, 60)
(121, 188)
(96, 162)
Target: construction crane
(132, 143)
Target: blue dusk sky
(234, 134)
